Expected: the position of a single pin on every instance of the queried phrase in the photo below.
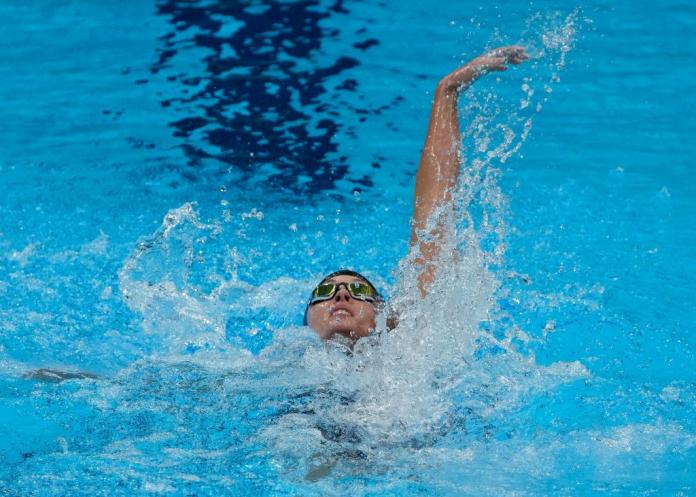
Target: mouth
(340, 312)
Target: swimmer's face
(342, 314)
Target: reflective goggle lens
(361, 290)
(357, 290)
(324, 291)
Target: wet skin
(342, 314)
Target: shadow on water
(258, 95)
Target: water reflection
(257, 99)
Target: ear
(392, 317)
(392, 321)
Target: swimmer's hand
(56, 376)
(495, 60)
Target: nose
(342, 293)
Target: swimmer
(345, 303)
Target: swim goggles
(357, 289)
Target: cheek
(316, 314)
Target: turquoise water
(177, 175)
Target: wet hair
(342, 272)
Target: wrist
(454, 82)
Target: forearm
(438, 170)
(439, 164)
(437, 177)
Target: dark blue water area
(152, 151)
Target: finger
(514, 52)
(515, 48)
(509, 50)
(517, 60)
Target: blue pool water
(176, 175)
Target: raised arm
(438, 169)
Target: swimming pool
(177, 175)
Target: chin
(333, 332)
(350, 333)
(346, 332)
